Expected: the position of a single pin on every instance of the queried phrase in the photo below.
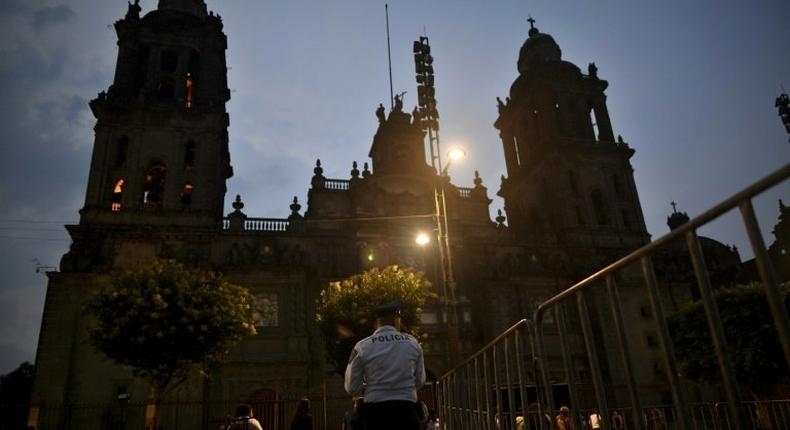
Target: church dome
(539, 48)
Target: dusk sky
(692, 89)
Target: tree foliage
(165, 320)
(15, 389)
(345, 309)
(16, 386)
(749, 331)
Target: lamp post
(445, 257)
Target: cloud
(52, 15)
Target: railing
(464, 193)
(266, 224)
(262, 225)
(532, 391)
(337, 184)
(173, 415)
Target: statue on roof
(399, 102)
(380, 114)
(592, 70)
(134, 10)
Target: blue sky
(692, 86)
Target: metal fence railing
(174, 415)
(508, 384)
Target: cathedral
(157, 185)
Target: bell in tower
(161, 149)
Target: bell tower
(567, 175)
(160, 155)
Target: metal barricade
(485, 393)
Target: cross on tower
(531, 21)
(674, 207)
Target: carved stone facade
(157, 185)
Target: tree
(751, 337)
(15, 389)
(165, 321)
(345, 309)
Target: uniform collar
(385, 328)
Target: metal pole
(567, 360)
(452, 326)
(592, 357)
(625, 355)
(717, 331)
(389, 55)
(543, 362)
(668, 351)
(768, 275)
(509, 381)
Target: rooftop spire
(532, 29)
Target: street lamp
(445, 255)
(422, 239)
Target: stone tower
(568, 179)
(156, 186)
(161, 149)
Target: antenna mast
(426, 98)
(389, 54)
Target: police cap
(388, 309)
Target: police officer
(387, 368)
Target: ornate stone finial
(365, 170)
(500, 219)
(380, 114)
(592, 70)
(502, 178)
(295, 207)
(620, 139)
(354, 170)
(238, 205)
(532, 29)
(478, 180)
(318, 169)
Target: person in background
(302, 419)
(352, 420)
(244, 419)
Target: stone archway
(269, 408)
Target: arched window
(117, 196)
(122, 151)
(189, 87)
(153, 190)
(186, 194)
(189, 155)
(600, 207)
(193, 73)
